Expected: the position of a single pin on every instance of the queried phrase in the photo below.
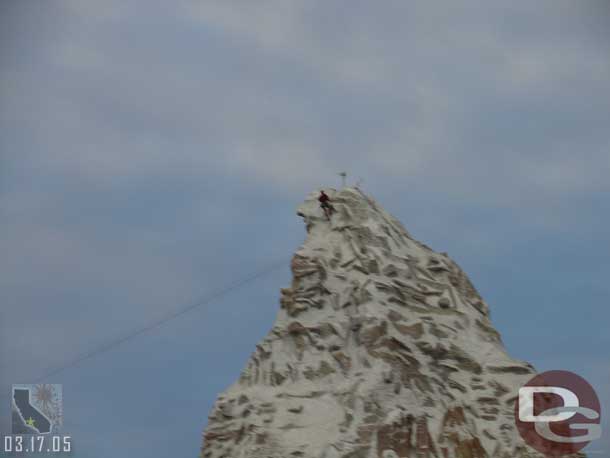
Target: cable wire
(158, 323)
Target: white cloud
(428, 80)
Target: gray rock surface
(381, 348)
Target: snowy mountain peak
(382, 348)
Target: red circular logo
(558, 413)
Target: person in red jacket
(325, 204)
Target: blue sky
(151, 152)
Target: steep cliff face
(381, 348)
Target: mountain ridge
(381, 348)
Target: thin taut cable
(158, 323)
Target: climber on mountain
(325, 204)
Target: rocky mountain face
(381, 348)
